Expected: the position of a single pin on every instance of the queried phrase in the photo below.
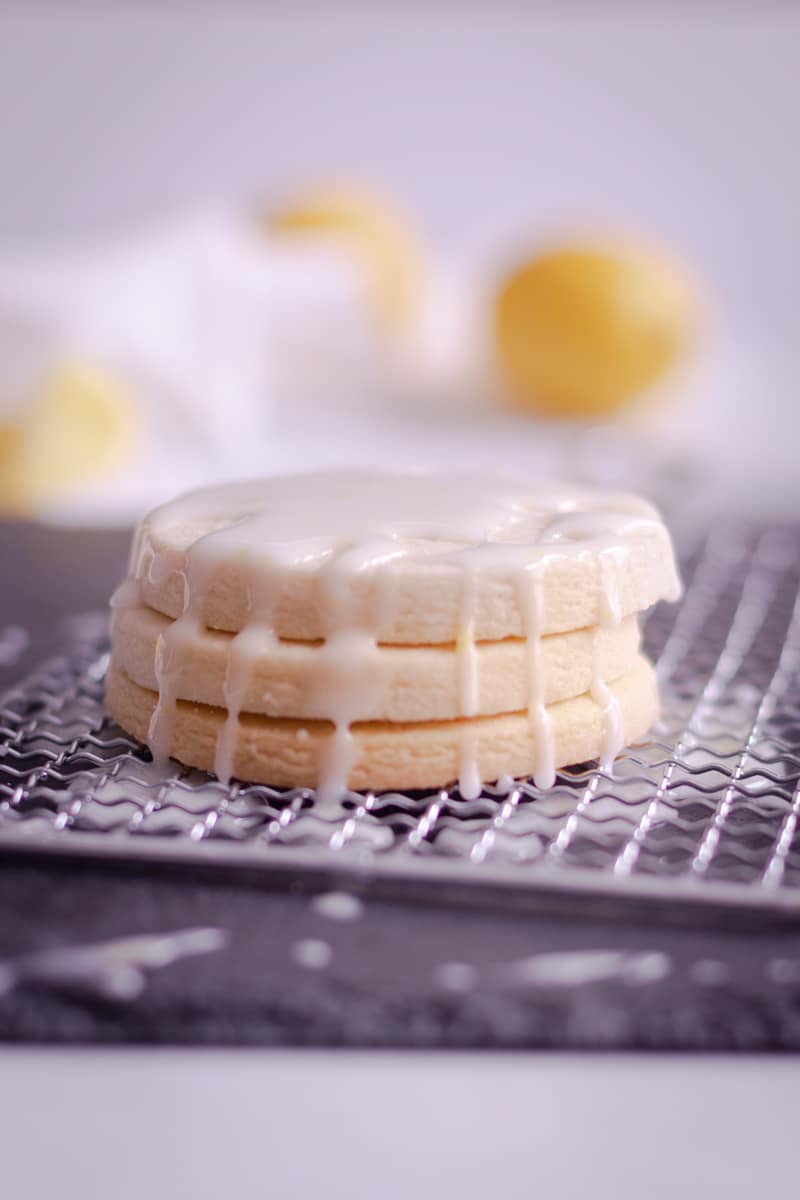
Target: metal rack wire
(706, 810)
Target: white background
(97, 1125)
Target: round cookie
(415, 559)
(399, 683)
(289, 753)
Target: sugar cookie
(398, 683)
(389, 756)
(435, 598)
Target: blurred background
(546, 238)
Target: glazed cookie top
(412, 558)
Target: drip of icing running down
(469, 777)
(467, 655)
(345, 654)
(183, 630)
(531, 599)
(612, 560)
(347, 529)
(470, 783)
(253, 640)
(127, 595)
(611, 564)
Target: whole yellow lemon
(377, 236)
(80, 426)
(581, 330)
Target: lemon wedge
(582, 330)
(378, 237)
(79, 427)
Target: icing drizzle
(349, 533)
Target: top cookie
(414, 559)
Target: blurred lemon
(80, 426)
(378, 237)
(582, 330)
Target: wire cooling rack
(704, 811)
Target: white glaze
(531, 587)
(456, 976)
(244, 647)
(338, 906)
(113, 970)
(14, 641)
(710, 972)
(127, 595)
(312, 953)
(559, 969)
(340, 528)
(576, 968)
(470, 783)
(187, 626)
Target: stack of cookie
(384, 631)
